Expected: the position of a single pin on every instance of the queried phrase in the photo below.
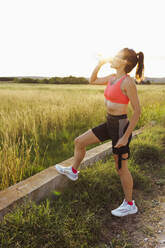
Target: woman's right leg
(81, 142)
(87, 138)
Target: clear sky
(65, 37)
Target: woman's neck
(120, 73)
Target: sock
(74, 171)
(130, 203)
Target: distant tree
(4, 79)
(53, 80)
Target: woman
(121, 89)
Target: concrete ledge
(42, 184)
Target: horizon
(48, 77)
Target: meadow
(37, 129)
(80, 216)
(39, 123)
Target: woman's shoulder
(110, 78)
(103, 80)
(129, 80)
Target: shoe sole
(132, 212)
(63, 173)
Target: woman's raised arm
(102, 80)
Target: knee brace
(120, 159)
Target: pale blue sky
(64, 37)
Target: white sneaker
(125, 209)
(67, 171)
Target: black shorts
(113, 129)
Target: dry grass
(39, 123)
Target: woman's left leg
(128, 206)
(125, 176)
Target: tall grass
(38, 123)
(80, 216)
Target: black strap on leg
(120, 159)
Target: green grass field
(80, 217)
(38, 123)
(38, 126)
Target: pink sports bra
(114, 93)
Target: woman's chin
(114, 66)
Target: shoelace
(123, 204)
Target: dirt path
(146, 229)
(149, 227)
(161, 232)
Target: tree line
(52, 80)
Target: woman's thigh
(87, 138)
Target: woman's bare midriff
(116, 108)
